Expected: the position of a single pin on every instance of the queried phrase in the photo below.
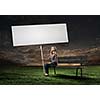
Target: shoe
(46, 74)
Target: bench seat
(69, 64)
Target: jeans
(46, 66)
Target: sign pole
(42, 58)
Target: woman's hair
(53, 49)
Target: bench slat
(69, 64)
(72, 59)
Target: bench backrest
(72, 59)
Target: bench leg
(54, 70)
(76, 71)
(81, 71)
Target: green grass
(14, 75)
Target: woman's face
(54, 52)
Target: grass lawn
(14, 75)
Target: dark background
(83, 32)
(80, 28)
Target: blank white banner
(39, 34)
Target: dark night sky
(83, 31)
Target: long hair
(53, 49)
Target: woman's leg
(46, 66)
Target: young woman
(53, 60)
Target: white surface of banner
(39, 34)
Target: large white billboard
(39, 34)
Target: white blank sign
(39, 34)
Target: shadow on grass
(62, 76)
(80, 80)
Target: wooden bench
(77, 62)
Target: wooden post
(42, 58)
